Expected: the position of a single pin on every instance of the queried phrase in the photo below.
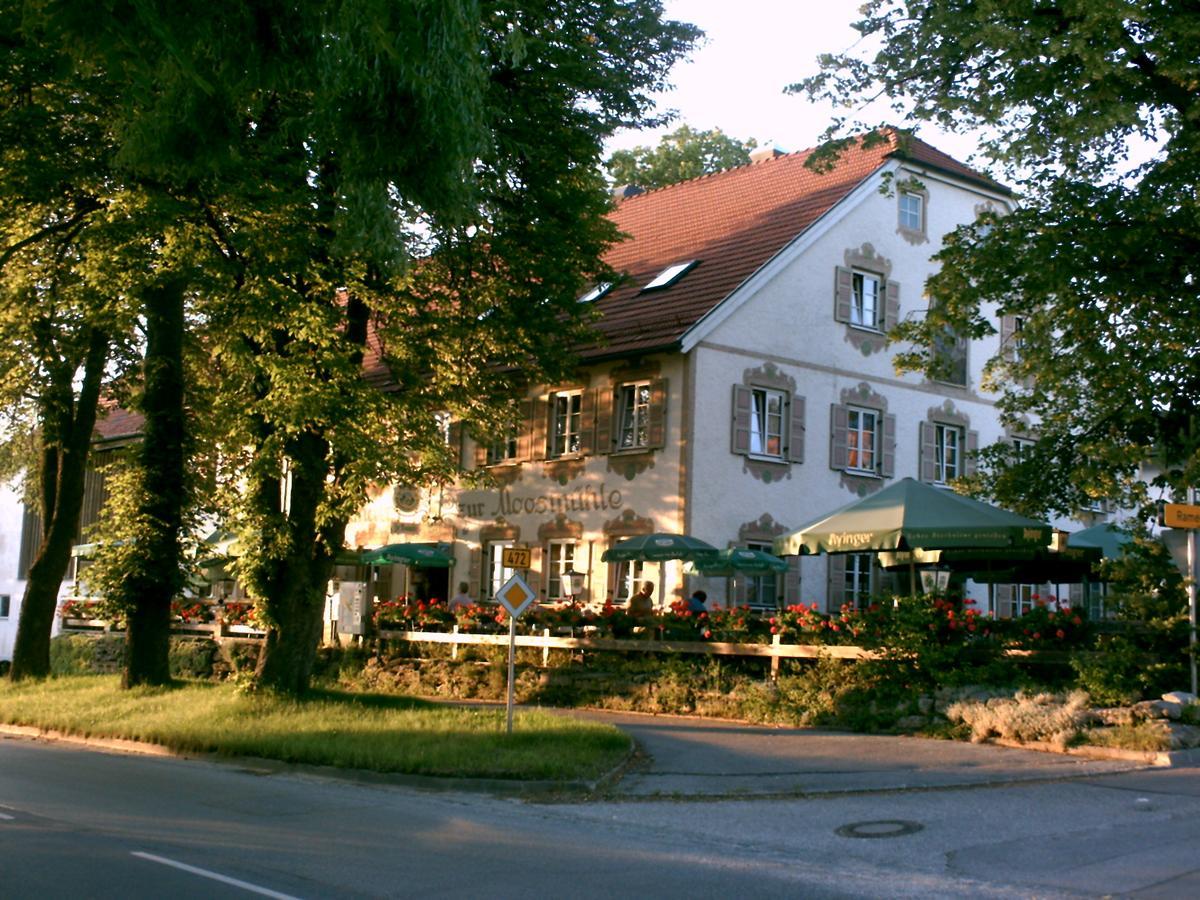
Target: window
(912, 209)
(1018, 325)
(863, 297)
(867, 292)
(856, 583)
(633, 416)
(669, 275)
(597, 292)
(5, 604)
(861, 439)
(948, 449)
(761, 590)
(503, 450)
(628, 576)
(950, 358)
(1021, 448)
(766, 423)
(566, 414)
(560, 559)
(496, 573)
(443, 420)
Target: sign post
(1180, 515)
(515, 595)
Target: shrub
(1054, 718)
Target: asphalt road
(81, 823)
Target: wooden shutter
(837, 580)
(538, 425)
(891, 306)
(480, 453)
(791, 581)
(1004, 601)
(887, 456)
(843, 295)
(587, 422)
(795, 450)
(525, 429)
(534, 577)
(1008, 328)
(475, 574)
(605, 438)
(839, 437)
(743, 407)
(972, 450)
(928, 461)
(656, 427)
(454, 441)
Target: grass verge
(334, 728)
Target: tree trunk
(155, 578)
(31, 651)
(294, 589)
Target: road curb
(1164, 759)
(259, 765)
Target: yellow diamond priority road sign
(515, 595)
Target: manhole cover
(881, 828)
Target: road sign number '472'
(515, 595)
(516, 557)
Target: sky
(753, 49)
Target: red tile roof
(113, 422)
(731, 222)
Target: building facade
(742, 387)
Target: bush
(86, 654)
(192, 657)
(1054, 718)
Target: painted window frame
(854, 436)
(761, 417)
(942, 431)
(495, 572)
(634, 400)
(560, 559)
(859, 279)
(905, 214)
(570, 415)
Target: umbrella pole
(912, 576)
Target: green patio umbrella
(1108, 539)
(910, 515)
(728, 563)
(657, 547)
(913, 516)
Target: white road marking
(215, 876)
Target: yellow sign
(516, 557)
(1181, 515)
(515, 595)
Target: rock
(1183, 736)
(1170, 710)
(1115, 715)
(925, 704)
(912, 723)
(1148, 709)
(1181, 697)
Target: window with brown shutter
(768, 424)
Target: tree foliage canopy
(1092, 110)
(684, 153)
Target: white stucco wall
(788, 322)
(10, 549)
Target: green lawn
(362, 731)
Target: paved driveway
(683, 756)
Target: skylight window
(669, 275)
(597, 292)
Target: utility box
(350, 609)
